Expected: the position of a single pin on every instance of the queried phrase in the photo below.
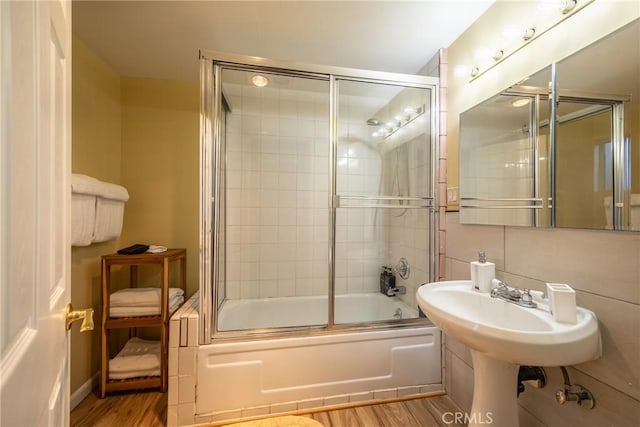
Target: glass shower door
(274, 201)
(383, 177)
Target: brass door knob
(72, 315)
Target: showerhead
(373, 122)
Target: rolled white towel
(133, 297)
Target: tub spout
(399, 290)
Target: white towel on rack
(135, 297)
(152, 310)
(106, 218)
(83, 218)
(109, 219)
(137, 358)
(83, 184)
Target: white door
(35, 143)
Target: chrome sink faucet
(513, 295)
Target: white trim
(83, 391)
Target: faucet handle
(526, 296)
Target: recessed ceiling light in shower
(521, 102)
(259, 80)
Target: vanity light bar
(568, 9)
(404, 119)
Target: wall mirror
(581, 170)
(503, 161)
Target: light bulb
(259, 80)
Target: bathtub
(311, 310)
(271, 375)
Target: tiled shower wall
(277, 148)
(409, 229)
(278, 193)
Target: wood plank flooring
(148, 409)
(426, 412)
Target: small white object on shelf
(562, 302)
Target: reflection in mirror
(503, 156)
(598, 134)
(584, 162)
(507, 152)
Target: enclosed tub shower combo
(317, 225)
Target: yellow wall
(576, 32)
(96, 118)
(142, 134)
(160, 152)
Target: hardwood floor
(144, 409)
(426, 412)
(148, 409)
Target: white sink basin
(509, 332)
(502, 336)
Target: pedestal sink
(502, 336)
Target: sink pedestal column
(494, 392)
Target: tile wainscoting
(604, 269)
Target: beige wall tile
(458, 349)
(612, 407)
(254, 412)
(620, 331)
(533, 257)
(337, 400)
(283, 407)
(359, 397)
(457, 270)
(528, 419)
(464, 241)
(461, 383)
(186, 414)
(602, 262)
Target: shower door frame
(211, 64)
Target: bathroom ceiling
(161, 39)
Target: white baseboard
(83, 391)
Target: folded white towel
(154, 249)
(83, 184)
(134, 297)
(174, 303)
(137, 358)
(109, 219)
(83, 217)
(135, 374)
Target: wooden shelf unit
(164, 260)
